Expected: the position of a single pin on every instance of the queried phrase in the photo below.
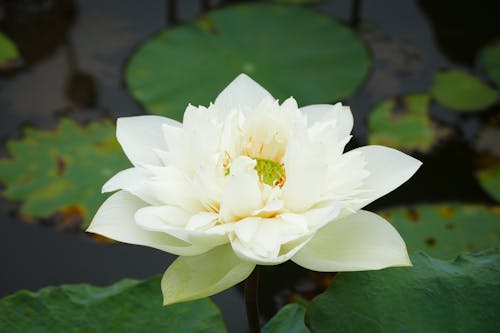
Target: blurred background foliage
(420, 76)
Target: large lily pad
(403, 124)
(447, 230)
(290, 319)
(126, 306)
(290, 50)
(8, 51)
(62, 170)
(490, 60)
(461, 91)
(431, 296)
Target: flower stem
(251, 301)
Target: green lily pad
(8, 50)
(461, 91)
(290, 50)
(431, 296)
(290, 319)
(62, 170)
(447, 230)
(490, 180)
(405, 125)
(488, 158)
(126, 306)
(490, 61)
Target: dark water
(75, 53)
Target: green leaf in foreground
(490, 60)
(461, 91)
(447, 230)
(62, 170)
(290, 319)
(126, 306)
(431, 296)
(289, 50)
(405, 125)
(8, 50)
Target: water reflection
(461, 27)
(38, 27)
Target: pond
(76, 60)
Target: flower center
(270, 172)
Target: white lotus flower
(248, 181)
